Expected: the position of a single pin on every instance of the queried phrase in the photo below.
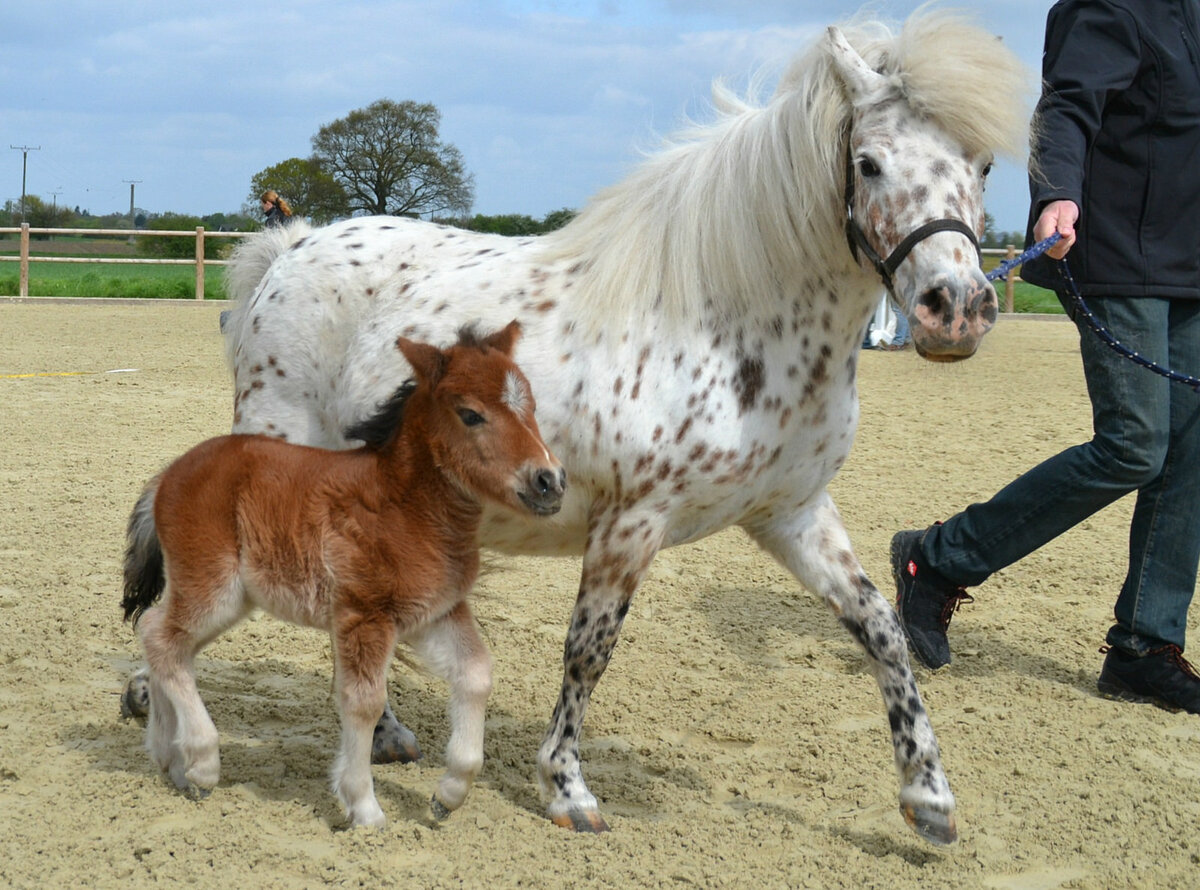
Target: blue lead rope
(1038, 249)
(1076, 298)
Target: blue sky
(548, 100)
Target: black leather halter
(857, 238)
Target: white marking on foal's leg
(180, 735)
(361, 693)
(453, 649)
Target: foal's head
(476, 410)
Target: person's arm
(1092, 49)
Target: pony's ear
(428, 362)
(861, 82)
(506, 338)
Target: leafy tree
(511, 224)
(556, 219)
(389, 159)
(308, 188)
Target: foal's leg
(362, 650)
(620, 549)
(161, 724)
(183, 741)
(452, 648)
(813, 544)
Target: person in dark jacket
(1116, 172)
(275, 208)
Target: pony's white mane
(728, 212)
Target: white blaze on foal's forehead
(516, 393)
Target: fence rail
(200, 261)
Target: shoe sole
(1117, 692)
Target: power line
(24, 150)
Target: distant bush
(163, 247)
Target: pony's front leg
(813, 544)
(620, 549)
(453, 649)
(362, 652)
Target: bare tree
(388, 159)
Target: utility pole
(131, 182)
(24, 150)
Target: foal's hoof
(585, 821)
(935, 827)
(393, 742)
(135, 700)
(440, 811)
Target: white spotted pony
(692, 338)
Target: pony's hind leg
(181, 736)
(362, 652)
(453, 649)
(813, 544)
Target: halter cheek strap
(857, 238)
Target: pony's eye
(868, 168)
(469, 417)
(987, 168)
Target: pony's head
(928, 109)
(477, 412)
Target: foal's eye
(987, 168)
(868, 168)
(469, 417)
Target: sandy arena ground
(736, 741)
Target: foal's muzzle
(543, 490)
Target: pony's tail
(144, 575)
(248, 264)
(251, 258)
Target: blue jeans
(1146, 439)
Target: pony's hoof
(585, 821)
(135, 700)
(197, 792)
(393, 742)
(440, 811)
(932, 825)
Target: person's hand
(1057, 216)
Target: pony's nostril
(545, 482)
(938, 302)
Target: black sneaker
(1161, 676)
(924, 601)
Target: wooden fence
(25, 256)
(200, 262)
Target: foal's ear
(506, 338)
(428, 362)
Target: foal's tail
(144, 576)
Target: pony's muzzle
(950, 318)
(543, 489)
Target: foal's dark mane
(376, 431)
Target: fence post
(23, 290)
(199, 262)
(1009, 285)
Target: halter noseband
(857, 238)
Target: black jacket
(1120, 136)
(276, 217)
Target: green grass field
(109, 280)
